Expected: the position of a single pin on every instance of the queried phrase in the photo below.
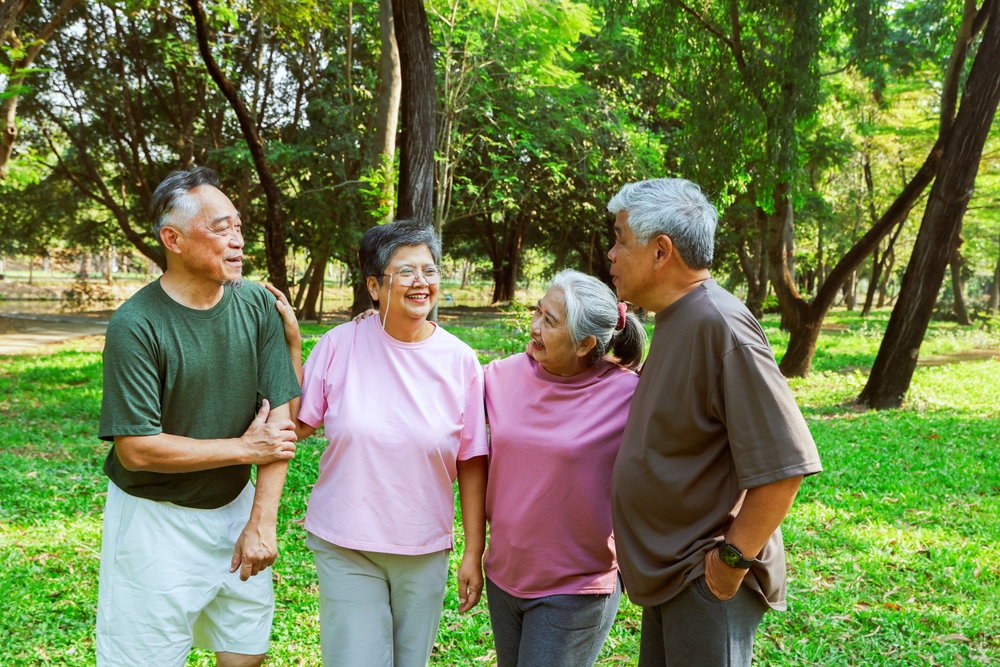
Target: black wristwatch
(733, 557)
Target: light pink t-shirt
(398, 417)
(548, 500)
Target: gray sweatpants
(377, 609)
(552, 631)
(697, 629)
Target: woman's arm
(472, 498)
(293, 339)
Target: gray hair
(592, 310)
(172, 203)
(381, 242)
(671, 206)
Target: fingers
(265, 410)
(237, 559)
(278, 294)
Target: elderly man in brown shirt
(714, 449)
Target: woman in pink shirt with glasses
(556, 416)
(401, 403)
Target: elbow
(131, 456)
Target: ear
(663, 249)
(170, 237)
(585, 346)
(373, 286)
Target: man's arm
(269, 438)
(764, 508)
(257, 546)
(472, 497)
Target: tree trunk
(958, 289)
(415, 199)
(10, 14)
(873, 282)
(274, 221)
(362, 300)
(309, 310)
(387, 108)
(306, 280)
(941, 227)
(883, 288)
(994, 305)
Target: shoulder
(720, 315)
(142, 311)
(514, 366)
(445, 341)
(254, 296)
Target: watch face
(729, 555)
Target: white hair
(671, 206)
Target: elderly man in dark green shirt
(197, 382)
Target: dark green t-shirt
(202, 374)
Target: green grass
(892, 552)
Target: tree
(416, 158)
(274, 221)
(940, 228)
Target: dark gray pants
(697, 629)
(553, 631)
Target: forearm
(472, 499)
(763, 510)
(175, 454)
(270, 483)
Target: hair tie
(622, 309)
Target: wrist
(731, 555)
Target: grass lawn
(892, 552)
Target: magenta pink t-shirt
(398, 417)
(553, 441)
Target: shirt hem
(399, 550)
(532, 595)
(803, 469)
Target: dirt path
(23, 333)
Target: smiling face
(632, 263)
(551, 344)
(405, 304)
(210, 243)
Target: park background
(850, 146)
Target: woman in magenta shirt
(556, 415)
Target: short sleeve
(276, 379)
(768, 436)
(314, 404)
(474, 442)
(131, 401)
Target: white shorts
(165, 584)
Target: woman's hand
(364, 316)
(470, 581)
(293, 337)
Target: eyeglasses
(407, 276)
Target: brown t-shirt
(711, 417)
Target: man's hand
(255, 550)
(470, 581)
(722, 580)
(268, 442)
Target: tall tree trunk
(958, 289)
(884, 265)
(415, 200)
(390, 87)
(941, 227)
(274, 221)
